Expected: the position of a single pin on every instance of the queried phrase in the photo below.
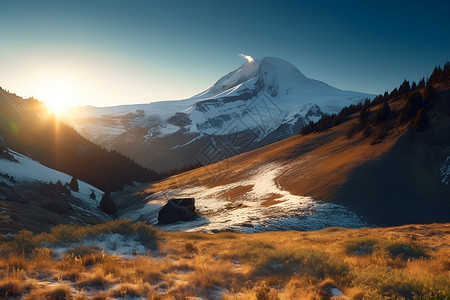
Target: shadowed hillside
(27, 127)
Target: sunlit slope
(327, 166)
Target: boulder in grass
(180, 209)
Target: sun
(58, 95)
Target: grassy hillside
(405, 184)
(384, 263)
(388, 170)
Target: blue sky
(117, 52)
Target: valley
(224, 150)
(353, 206)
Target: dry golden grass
(397, 263)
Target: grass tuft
(285, 263)
(11, 285)
(60, 292)
(82, 251)
(131, 290)
(404, 250)
(361, 246)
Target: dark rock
(182, 209)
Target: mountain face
(262, 101)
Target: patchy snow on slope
(445, 171)
(263, 207)
(27, 170)
(111, 243)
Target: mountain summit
(262, 101)
(279, 79)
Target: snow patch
(111, 243)
(27, 171)
(264, 207)
(335, 292)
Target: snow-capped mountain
(262, 101)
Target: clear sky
(109, 52)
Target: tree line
(414, 111)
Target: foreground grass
(405, 262)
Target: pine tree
(383, 113)
(404, 88)
(363, 113)
(447, 70)
(421, 83)
(437, 75)
(420, 120)
(74, 184)
(107, 205)
(428, 92)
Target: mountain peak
(267, 69)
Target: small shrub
(11, 285)
(60, 292)
(398, 284)
(190, 248)
(131, 290)
(146, 234)
(97, 281)
(249, 250)
(360, 246)
(285, 263)
(17, 262)
(93, 259)
(10, 289)
(404, 250)
(64, 234)
(24, 242)
(264, 292)
(123, 227)
(83, 251)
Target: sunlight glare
(58, 95)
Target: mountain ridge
(260, 102)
